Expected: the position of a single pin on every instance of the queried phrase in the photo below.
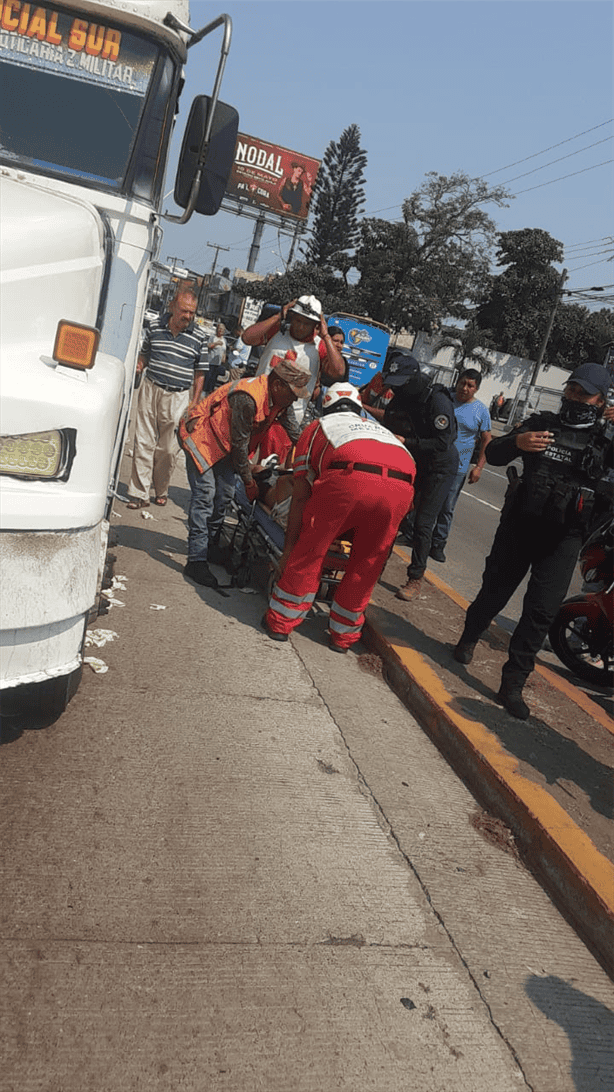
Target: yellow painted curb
(595, 869)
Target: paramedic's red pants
(370, 505)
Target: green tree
(302, 279)
(579, 335)
(415, 273)
(435, 262)
(338, 199)
(518, 303)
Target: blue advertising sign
(364, 347)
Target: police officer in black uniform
(563, 493)
(423, 413)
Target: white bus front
(89, 92)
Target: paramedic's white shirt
(342, 428)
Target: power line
(559, 160)
(200, 253)
(589, 254)
(606, 242)
(591, 288)
(544, 150)
(526, 159)
(563, 176)
(389, 209)
(591, 264)
(603, 239)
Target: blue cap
(593, 378)
(402, 367)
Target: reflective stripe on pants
(371, 507)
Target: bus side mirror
(215, 161)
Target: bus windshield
(73, 93)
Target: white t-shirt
(217, 348)
(307, 357)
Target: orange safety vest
(210, 439)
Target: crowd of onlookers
(446, 432)
(394, 454)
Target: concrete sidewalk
(549, 779)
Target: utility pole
(255, 247)
(542, 349)
(204, 292)
(297, 233)
(175, 263)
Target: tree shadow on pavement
(588, 1024)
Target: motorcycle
(582, 634)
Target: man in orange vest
(217, 437)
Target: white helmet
(341, 396)
(308, 307)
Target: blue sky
(434, 85)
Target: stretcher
(250, 536)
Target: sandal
(160, 501)
(136, 502)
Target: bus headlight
(41, 456)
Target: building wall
(510, 374)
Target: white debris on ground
(110, 598)
(96, 665)
(146, 515)
(99, 637)
(157, 606)
(117, 584)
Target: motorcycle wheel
(570, 637)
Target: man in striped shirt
(174, 353)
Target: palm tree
(471, 346)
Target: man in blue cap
(422, 412)
(563, 494)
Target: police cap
(593, 378)
(399, 368)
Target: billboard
(272, 178)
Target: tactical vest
(566, 481)
(413, 417)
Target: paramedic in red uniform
(350, 474)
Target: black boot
(437, 552)
(510, 695)
(200, 573)
(463, 652)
